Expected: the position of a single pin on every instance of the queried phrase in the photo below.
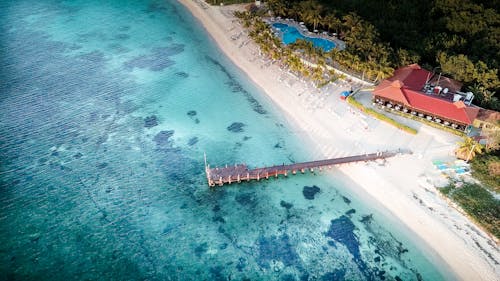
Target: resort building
(429, 95)
(488, 122)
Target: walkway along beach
(335, 130)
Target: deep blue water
(290, 34)
(106, 109)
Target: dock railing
(241, 172)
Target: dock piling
(228, 175)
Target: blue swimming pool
(289, 34)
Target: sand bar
(404, 185)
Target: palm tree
(311, 12)
(355, 63)
(476, 88)
(348, 59)
(295, 12)
(308, 49)
(279, 7)
(294, 63)
(485, 97)
(305, 72)
(317, 74)
(334, 54)
(468, 149)
(383, 71)
(352, 22)
(260, 26)
(332, 22)
(320, 61)
(369, 68)
(488, 97)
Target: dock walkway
(241, 172)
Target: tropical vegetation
(478, 203)
(468, 148)
(301, 57)
(493, 138)
(459, 37)
(486, 168)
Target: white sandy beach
(404, 185)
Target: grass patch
(380, 116)
(484, 168)
(478, 203)
(447, 189)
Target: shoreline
(337, 130)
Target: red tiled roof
(413, 76)
(395, 90)
(457, 111)
(405, 87)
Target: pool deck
(339, 44)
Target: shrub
(447, 189)
(480, 204)
(483, 169)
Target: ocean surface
(106, 110)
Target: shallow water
(106, 110)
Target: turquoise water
(290, 34)
(106, 109)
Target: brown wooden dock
(240, 172)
